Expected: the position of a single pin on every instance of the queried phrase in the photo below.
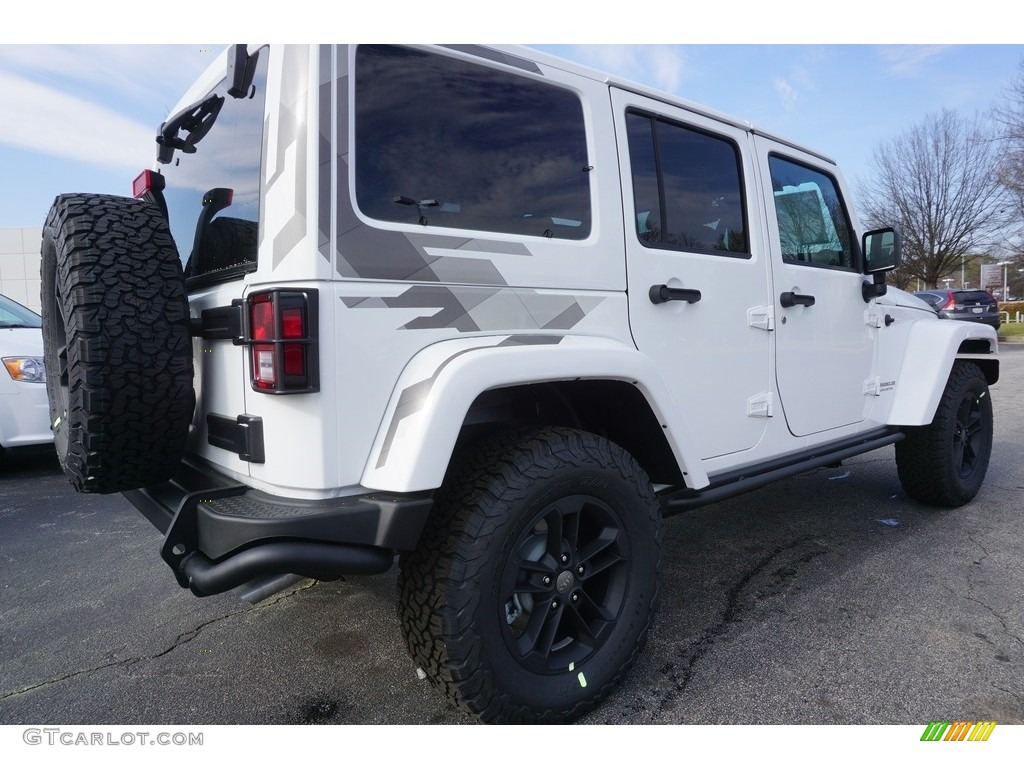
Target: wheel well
(981, 347)
(615, 410)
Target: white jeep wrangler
(493, 312)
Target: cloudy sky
(77, 117)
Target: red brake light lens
(146, 182)
(261, 317)
(291, 323)
(282, 333)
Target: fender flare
(439, 384)
(931, 349)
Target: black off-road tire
(532, 589)
(944, 463)
(117, 343)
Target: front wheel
(945, 462)
(532, 589)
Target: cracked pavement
(826, 598)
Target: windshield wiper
(196, 120)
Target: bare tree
(1009, 118)
(939, 183)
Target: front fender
(436, 389)
(932, 347)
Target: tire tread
(438, 581)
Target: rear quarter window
(450, 143)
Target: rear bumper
(989, 318)
(219, 534)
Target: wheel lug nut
(579, 570)
(554, 604)
(575, 597)
(547, 581)
(564, 559)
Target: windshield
(13, 315)
(213, 193)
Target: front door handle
(659, 294)
(790, 299)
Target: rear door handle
(790, 299)
(661, 293)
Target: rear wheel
(116, 341)
(532, 589)
(945, 462)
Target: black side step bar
(731, 484)
(314, 560)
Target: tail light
(282, 336)
(950, 303)
(148, 183)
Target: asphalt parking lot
(827, 598)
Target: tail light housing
(281, 332)
(950, 303)
(147, 184)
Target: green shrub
(1013, 307)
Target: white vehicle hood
(21, 342)
(894, 297)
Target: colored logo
(960, 730)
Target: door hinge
(242, 435)
(761, 317)
(220, 323)
(761, 406)
(872, 320)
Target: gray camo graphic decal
(291, 128)
(414, 396)
(324, 155)
(472, 308)
(501, 58)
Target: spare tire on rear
(117, 342)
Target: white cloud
(45, 120)
(789, 96)
(909, 60)
(659, 66)
(152, 73)
(96, 104)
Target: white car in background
(24, 411)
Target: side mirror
(881, 249)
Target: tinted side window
(687, 189)
(813, 226)
(449, 143)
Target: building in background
(19, 265)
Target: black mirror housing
(881, 248)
